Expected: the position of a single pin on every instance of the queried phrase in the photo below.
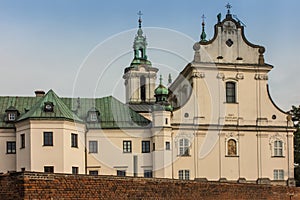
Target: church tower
(140, 76)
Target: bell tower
(140, 76)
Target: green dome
(161, 90)
(168, 108)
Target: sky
(81, 47)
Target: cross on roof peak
(140, 18)
(228, 6)
(203, 18)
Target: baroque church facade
(215, 122)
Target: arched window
(184, 147)
(278, 148)
(143, 88)
(230, 92)
(231, 147)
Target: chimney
(39, 93)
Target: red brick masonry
(32, 185)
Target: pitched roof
(61, 111)
(113, 113)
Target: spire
(140, 43)
(160, 80)
(203, 34)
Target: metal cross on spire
(203, 19)
(228, 6)
(140, 18)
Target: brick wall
(30, 185)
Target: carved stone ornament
(231, 136)
(240, 76)
(220, 76)
(198, 75)
(261, 77)
(274, 137)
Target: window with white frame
(11, 147)
(93, 146)
(127, 146)
(278, 148)
(11, 116)
(278, 174)
(145, 146)
(184, 147)
(184, 174)
(93, 116)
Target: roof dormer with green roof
(50, 106)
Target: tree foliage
(295, 112)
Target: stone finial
(261, 52)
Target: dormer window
(11, 114)
(93, 115)
(48, 107)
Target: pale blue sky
(44, 43)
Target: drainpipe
(85, 148)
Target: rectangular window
(22, 141)
(278, 174)
(153, 146)
(166, 121)
(148, 173)
(168, 146)
(11, 116)
(184, 147)
(74, 170)
(93, 172)
(93, 146)
(145, 146)
(278, 148)
(48, 138)
(48, 169)
(10, 147)
(230, 92)
(127, 146)
(121, 173)
(184, 174)
(74, 140)
(93, 117)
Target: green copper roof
(161, 89)
(60, 109)
(112, 113)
